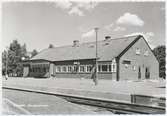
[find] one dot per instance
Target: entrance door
(139, 73)
(147, 73)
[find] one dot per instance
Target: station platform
(123, 91)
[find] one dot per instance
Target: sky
(38, 24)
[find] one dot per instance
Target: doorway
(139, 73)
(147, 73)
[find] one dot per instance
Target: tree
(33, 53)
(51, 46)
(161, 56)
(24, 52)
(4, 57)
(13, 57)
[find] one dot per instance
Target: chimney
(107, 38)
(75, 43)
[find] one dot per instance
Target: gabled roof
(107, 50)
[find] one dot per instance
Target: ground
(18, 102)
(106, 89)
(147, 87)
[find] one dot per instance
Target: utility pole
(96, 73)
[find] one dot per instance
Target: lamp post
(22, 58)
(96, 73)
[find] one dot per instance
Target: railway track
(113, 106)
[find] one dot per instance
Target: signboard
(76, 63)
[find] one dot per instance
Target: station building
(126, 58)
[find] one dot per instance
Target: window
(109, 68)
(64, 69)
(134, 68)
(30, 69)
(69, 69)
(39, 68)
(44, 69)
(137, 51)
(58, 69)
(126, 62)
(126, 65)
(47, 69)
(146, 53)
(104, 68)
(99, 68)
(82, 69)
(75, 68)
(88, 68)
(35, 69)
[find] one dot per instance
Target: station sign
(76, 63)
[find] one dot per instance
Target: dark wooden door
(147, 73)
(139, 73)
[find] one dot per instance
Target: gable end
(130, 45)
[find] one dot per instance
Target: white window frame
(57, 69)
(62, 69)
(87, 68)
(104, 65)
(138, 51)
(146, 53)
(70, 67)
(108, 65)
(126, 65)
(134, 68)
(99, 69)
(74, 67)
(83, 67)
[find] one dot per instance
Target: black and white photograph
(68, 57)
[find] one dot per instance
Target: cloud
(87, 5)
(126, 19)
(118, 28)
(130, 19)
(114, 27)
(90, 33)
(109, 27)
(147, 35)
(63, 4)
(76, 11)
(76, 8)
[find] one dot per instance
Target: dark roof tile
(107, 50)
